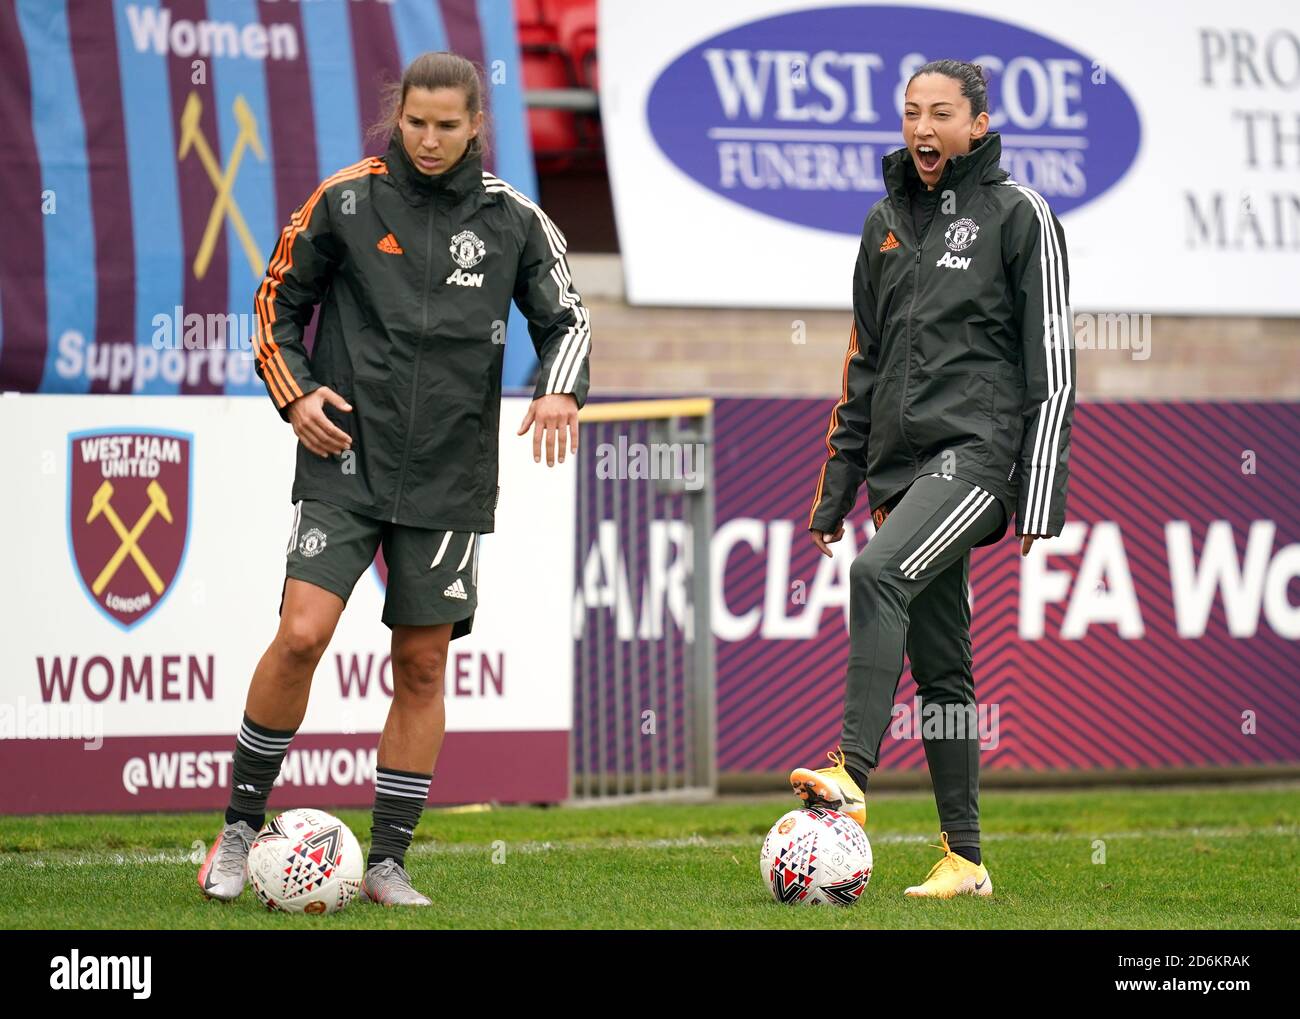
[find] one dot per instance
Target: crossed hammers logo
(223, 182)
(101, 503)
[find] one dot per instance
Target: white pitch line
(65, 858)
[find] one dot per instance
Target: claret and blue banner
(153, 151)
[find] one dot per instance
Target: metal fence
(644, 716)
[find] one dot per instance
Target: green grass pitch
(1215, 857)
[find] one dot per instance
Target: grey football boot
(390, 885)
(225, 871)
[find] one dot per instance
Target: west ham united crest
(128, 516)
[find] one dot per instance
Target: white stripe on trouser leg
(939, 531)
(970, 509)
(442, 550)
(293, 531)
(984, 503)
(474, 571)
(468, 549)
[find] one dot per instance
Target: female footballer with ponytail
(956, 412)
(414, 258)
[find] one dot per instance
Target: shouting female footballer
(956, 411)
(414, 258)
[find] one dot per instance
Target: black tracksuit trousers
(909, 591)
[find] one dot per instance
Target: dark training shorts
(432, 575)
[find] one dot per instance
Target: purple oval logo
(791, 115)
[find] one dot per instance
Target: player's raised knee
(867, 570)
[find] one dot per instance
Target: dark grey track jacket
(961, 353)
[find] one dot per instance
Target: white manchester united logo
(961, 234)
(313, 543)
(467, 249)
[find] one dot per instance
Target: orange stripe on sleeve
(295, 390)
(835, 418)
(821, 481)
(273, 380)
(268, 351)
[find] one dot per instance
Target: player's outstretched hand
(821, 539)
(314, 430)
(552, 417)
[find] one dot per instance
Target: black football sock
(857, 767)
(967, 844)
(399, 801)
(259, 752)
(254, 821)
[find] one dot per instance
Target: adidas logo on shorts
(456, 590)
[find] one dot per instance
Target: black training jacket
(414, 275)
(961, 355)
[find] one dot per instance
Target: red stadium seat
(554, 132)
(574, 22)
(576, 27)
(529, 12)
(558, 43)
(533, 29)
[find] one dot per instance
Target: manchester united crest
(313, 543)
(128, 516)
(467, 249)
(961, 234)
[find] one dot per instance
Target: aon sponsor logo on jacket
(465, 279)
